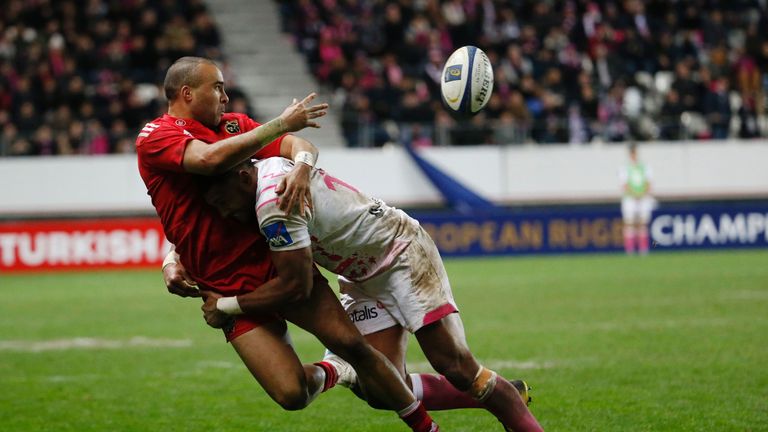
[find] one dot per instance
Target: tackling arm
(294, 188)
(293, 283)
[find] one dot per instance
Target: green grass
(670, 342)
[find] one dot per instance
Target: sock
(417, 418)
(330, 374)
(436, 393)
(514, 416)
(642, 240)
(629, 239)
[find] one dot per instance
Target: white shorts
(414, 292)
(637, 210)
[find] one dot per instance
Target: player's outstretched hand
(178, 281)
(214, 317)
(293, 190)
(300, 115)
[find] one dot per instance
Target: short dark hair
(207, 182)
(181, 73)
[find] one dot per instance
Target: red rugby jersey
(220, 254)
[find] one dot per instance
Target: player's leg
(422, 280)
(392, 343)
(386, 335)
(268, 355)
(445, 347)
(433, 390)
(645, 209)
(627, 215)
(322, 315)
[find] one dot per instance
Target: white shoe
(347, 375)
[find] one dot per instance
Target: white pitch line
(91, 343)
(217, 364)
(748, 295)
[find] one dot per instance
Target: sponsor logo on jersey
(232, 126)
(277, 235)
(363, 314)
(180, 122)
(453, 73)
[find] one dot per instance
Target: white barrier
(544, 174)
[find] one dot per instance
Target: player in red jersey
(197, 137)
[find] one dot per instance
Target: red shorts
(245, 323)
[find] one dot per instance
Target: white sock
(417, 387)
(409, 409)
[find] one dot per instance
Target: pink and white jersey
(350, 233)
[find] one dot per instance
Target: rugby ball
(467, 81)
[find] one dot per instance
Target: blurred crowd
(565, 70)
(82, 76)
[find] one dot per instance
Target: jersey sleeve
(163, 147)
(270, 150)
(283, 232)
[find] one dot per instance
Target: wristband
(169, 259)
(229, 305)
(305, 157)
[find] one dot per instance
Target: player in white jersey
(391, 276)
(637, 203)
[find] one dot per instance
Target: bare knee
(292, 399)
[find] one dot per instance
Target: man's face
(232, 199)
(209, 98)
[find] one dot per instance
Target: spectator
(543, 50)
(615, 126)
(717, 108)
(70, 70)
(669, 123)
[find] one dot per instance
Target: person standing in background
(636, 204)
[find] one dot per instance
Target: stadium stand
(566, 71)
(80, 77)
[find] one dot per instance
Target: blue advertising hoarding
(564, 230)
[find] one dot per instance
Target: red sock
(629, 240)
(418, 419)
(436, 393)
(642, 240)
(331, 376)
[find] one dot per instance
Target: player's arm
(176, 278)
(216, 158)
(293, 283)
(294, 188)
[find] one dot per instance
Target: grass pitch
(670, 342)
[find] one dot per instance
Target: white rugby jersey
(350, 233)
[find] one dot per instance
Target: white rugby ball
(467, 81)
